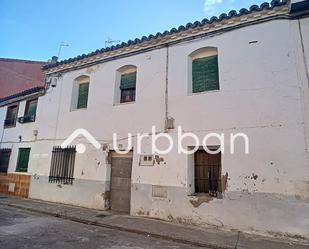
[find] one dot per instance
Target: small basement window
(207, 172)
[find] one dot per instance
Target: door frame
(114, 154)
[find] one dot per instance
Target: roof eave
(233, 20)
(19, 96)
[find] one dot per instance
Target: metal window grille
(62, 165)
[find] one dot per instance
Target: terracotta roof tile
(233, 13)
(19, 75)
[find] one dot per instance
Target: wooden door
(121, 170)
(207, 172)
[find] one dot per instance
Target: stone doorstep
(211, 238)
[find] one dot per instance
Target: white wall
(259, 95)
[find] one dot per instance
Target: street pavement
(27, 223)
(24, 229)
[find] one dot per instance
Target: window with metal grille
(207, 172)
(4, 160)
(62, 165)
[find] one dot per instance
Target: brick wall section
(22, 183)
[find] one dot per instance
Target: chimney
(54, 59)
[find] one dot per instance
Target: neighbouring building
(22, 82)
(243, 72)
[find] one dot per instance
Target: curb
(130, 230)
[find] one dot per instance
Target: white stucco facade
(263, 93)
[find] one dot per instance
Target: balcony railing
(9, 122)
(26, 119)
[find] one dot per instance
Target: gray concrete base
(260, 213)
(83, 193)
(189, 235)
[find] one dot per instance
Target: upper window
(83, 90)
(204, 70)
(80, 92)
(31, 107)
(126, 84)
(11, 116)
(30, 111)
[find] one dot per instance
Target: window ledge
(206, 195)
(9, 126)
(19, 173)
(205, 92)
(29, 122)
(78, 109)
(124, 103)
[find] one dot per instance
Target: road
(24, 229)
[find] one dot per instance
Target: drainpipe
(303, 50)
(169, 121)
(307, 77)
(166, 88)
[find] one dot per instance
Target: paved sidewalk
(204, 237)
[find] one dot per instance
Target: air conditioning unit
(26, 119)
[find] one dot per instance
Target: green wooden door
(23, 159)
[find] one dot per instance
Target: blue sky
(34, 29)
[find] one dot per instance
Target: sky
(34, 29)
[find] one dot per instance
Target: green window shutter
(205, 74)
(23, 159)
(128, 81)
(83, 95)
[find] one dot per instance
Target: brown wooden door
(121, 170)
(207, 172)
